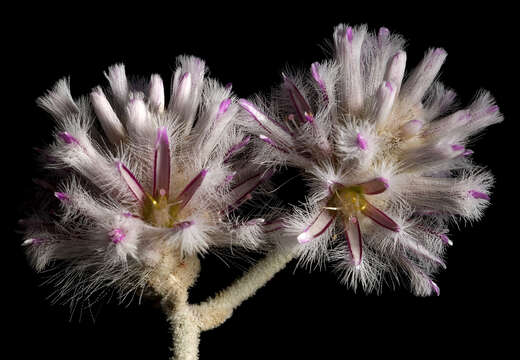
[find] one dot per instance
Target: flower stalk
(173, 277)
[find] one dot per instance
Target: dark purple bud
(479, 195)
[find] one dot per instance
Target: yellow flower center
(159, 212)
(350, 200)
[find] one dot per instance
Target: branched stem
(172, 280)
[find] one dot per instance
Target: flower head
(386, 157)
(134, 176)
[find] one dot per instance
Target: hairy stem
(186, 331)
(213, 312)
(174, 276)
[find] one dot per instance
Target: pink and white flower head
(131, 175)
(385, 154)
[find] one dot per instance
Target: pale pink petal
(318, 226)
(269, 141)
(273, 225)
(379, 217)
(131, 182)
(262, 119)
(354, 239)
(374, 186)
(421, 250)
(244, 188)
(298, 101)
(190, 189)
(235, 148)
(161, 170)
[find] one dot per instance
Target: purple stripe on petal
(374, 186)
(457, 147)
(190, 189)
(273, 225)
(379, 217)
(272, 143)
(492, 109)
(318, 226)
(478, 195)
(68, 138)
(236, 148)
(182, 225)
(133, 185)
(421, 250)
(361, 142)
(246, 187)
(318, 79)
(62, 196)
(298, 101)
(354, 239)
(260, 117)
(441, 236)
(237, 203)
(161, 170)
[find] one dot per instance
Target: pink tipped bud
(68, 138)
(137, 114)
(224, 105)
(156, 93)
(361, 142)
(316, 76)
(107, 117)
(349, 34)
(183, 91)
(62, 196)
(395, 69)
(384, 103)
(457, 147)
(117, 235)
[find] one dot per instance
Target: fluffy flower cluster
(146, 176)
(385, 155)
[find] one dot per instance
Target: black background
(297, 315)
